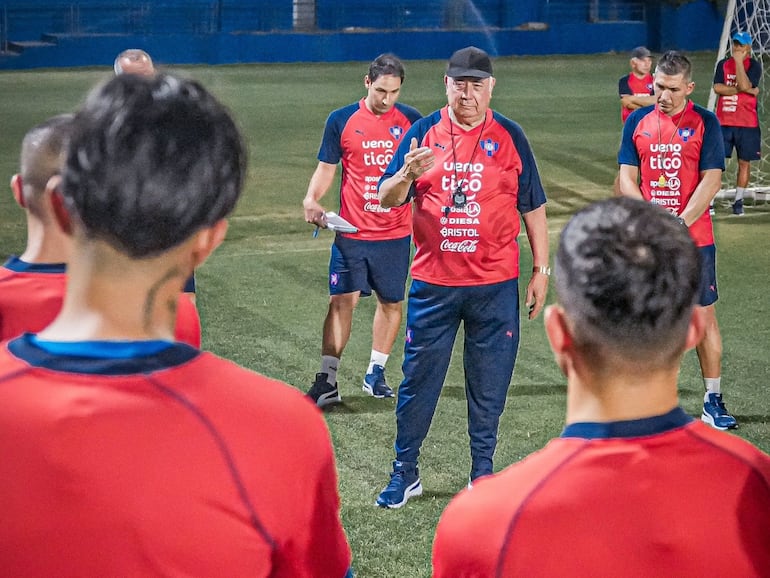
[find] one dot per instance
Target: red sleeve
(188, 323)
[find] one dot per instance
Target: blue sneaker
(738, 207)
(374, 383)
(404, 483)
(715, 413)
(322, 392)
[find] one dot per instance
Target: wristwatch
(544, 270)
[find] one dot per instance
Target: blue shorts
(746, 140)
(364, 266)
(708, 275)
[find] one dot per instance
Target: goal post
(752, 16)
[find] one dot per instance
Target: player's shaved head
(42, 155)
(627, 275)
(134, 61)
(151, 161)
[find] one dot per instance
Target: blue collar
(674, 419)
(17, 265)
(101, 357)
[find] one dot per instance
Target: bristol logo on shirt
(396, 132)
(686, 133)
(489, 146)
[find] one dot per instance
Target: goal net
(752, 16)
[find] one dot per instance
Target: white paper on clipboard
(336, 223)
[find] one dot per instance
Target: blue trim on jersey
(531, 194)
(15, 264)
(330, 150)
(754, 73)
(712, 150)
(101, 357)
(633, 428)
(529, 179)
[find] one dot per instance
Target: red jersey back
(671, 152)
(495, 169)
(737, 109)
(31, 295)
(364, 142)
(631, 84)
(626, 505)
(149, 458)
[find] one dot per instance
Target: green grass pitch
(263, 293)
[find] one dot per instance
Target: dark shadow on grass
(458, 392)
(355, 404)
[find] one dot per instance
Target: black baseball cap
(470, 61)
(641, 52)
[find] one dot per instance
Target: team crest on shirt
(396, 132)
(686, 133)
(489, 146)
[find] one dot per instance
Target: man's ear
(560, 338)
(60, 212)
(18, 190)
(557, 329)
(208, 239)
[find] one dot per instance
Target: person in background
(736, 81)
(471, 177)
(672, 154)
(635, 88)
(628, 489)
(362, 137)
(134, 61)
(32, 285)
(125, 453)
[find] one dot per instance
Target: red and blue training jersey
(671, 152)
(31, 296)
(738, 109)
(630, 84)
(151, 458)
(633, 498)
(494, 166)
(364, 142)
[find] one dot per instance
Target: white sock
(329, 366)
(713, 385)
(739, 192)
(377, 358)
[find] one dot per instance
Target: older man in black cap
(472, 176)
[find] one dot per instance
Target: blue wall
(48, 33)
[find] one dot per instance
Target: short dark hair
(673, 63)
(386, 64)
(627, 274)
(42, 155)
(151, 161)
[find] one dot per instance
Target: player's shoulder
(343, 113)
(735, 448)
(243, 385)
(409, 112)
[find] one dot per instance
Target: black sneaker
(322, 392)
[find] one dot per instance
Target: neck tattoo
(664, 153)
